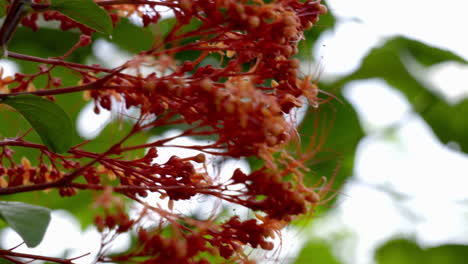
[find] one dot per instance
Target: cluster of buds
(241, 101)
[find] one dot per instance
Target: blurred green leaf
(399, 252)
(4, 261)
(46, 42)
(402, 251)
(425, 54)
(112, 133)
(334, 130)
(85, 12)
(29, 221)
(79, 205)
(47, 118)
(388, 62)
(447, 254)
(132, 37)
(164, 26)
(3, 6)
(316, 251)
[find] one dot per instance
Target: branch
(17, 10)
(20, 56)
(98, 84)
(67, 179)
(5, 253)
(138, 2)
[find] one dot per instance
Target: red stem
(138, 2)
(5, 253)
(20, 56)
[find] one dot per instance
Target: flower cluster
(237, 90)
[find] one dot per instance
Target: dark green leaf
(4, 261)
(402, 251)
(49, 120)
(85, 12)
(132, 37)
(388, 62)
(316, 251)
(29, 221)
(3, 6)
(447, 254)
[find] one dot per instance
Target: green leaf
(399, 251)
(4, 261)
(79, 205)
(402, 251)
(43, 43)
(3, 6)
(336, 129)
(316, 251)
(132, 37)
(85, 12)
(49, 120)
(425, 54)
(388, 62)
(29, 221)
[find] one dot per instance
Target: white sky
(409, 161)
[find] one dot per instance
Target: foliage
(406, 251)
(29, 221)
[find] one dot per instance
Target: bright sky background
(430, 180)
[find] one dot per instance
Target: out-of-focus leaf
(316, 251)
(334, 130)
(402, 251)
(447, 254)
(388, 62)
(427, 55)
(47, 118)
(29, 221)
(3, 6)
(47, 42)
(4, 261)
(327, 21)
(399, 252)
(164, 26)
(79, 205)
(112, 133)
(85, 12)
(132, 37)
